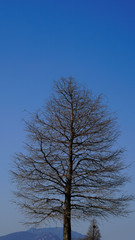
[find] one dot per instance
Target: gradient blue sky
(41, 41)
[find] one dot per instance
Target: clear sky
(43, 40)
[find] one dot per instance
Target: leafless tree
(93, 232)
(71, 164)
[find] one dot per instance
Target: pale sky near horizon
(43, 40)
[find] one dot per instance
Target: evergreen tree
(93, 232)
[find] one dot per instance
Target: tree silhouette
(93, 232)
(71, 165)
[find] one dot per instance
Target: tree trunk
(67, 219)
(67, 209)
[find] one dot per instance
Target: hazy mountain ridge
(41, 234)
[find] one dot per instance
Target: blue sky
(41, 41)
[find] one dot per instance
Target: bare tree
(93, 232)
(71, 165)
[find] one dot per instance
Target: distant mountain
(41, 234)
(19, 236)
